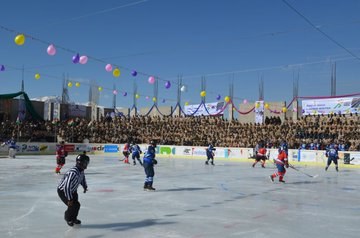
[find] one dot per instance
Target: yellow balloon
(100, 89)
(186, 103)
(137, 96)
(284, 109)
(227, 99)
(37, 76)
(77, 84)
(266, 106)
(69, 84)
(19, 39)
(154, 99)
(116, 72)
(202, 93)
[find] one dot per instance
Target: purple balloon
(167, 84)
(218, 97)
(133, 73)
(76, 58)
(125, 94)
(2, 68)
(163, 100)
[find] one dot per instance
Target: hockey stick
(309, 175)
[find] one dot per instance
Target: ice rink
(230, 199)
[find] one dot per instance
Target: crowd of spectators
(195, 131)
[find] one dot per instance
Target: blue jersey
(332, 152)
(135, 150)
(11, 143)
(149, 155)
(210, 149)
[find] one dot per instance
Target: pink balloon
(83, 59)
(151, 80)
(147, 97)
(51, 50)
(108, 67)
(115, 92)
(245, 101)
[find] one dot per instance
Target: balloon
(133, 73)
(245, 101)
(167, 84)
(284, 109)
(154, 99)
(147, 97)
(115, 92)
(77, 84)
(186, 103)
(257, 105)
(108, 67)
(202, 93)
(37, 76)
(218, 97)
(116, 72)
(125, 94)
(76, 58)
(151, 80)
(227, 99)
(137, 96)
(183, 88)
(100, 88)
(83, 59)
(295, 110)
(20, 39)
(163, 101)
(69, 84)
(266, 106)
(2, 68)
(51, 50)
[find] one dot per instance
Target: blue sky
(219, 40)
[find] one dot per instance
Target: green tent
(28, 104)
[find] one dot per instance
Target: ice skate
(77, 222)
(212, 163)
(282, 181)
(70, 223)
(206, 162)
(271, 178)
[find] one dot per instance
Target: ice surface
(231, 199)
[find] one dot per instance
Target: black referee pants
(72, 211)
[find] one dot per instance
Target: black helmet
(153, 142)
(82, 161)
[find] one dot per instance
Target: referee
(67, 188)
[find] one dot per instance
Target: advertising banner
(209, 109)
(259, 112)
(331, 105)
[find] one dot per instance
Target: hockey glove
(154, 161)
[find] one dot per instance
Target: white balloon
(183, 88)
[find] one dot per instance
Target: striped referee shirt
(71, 181)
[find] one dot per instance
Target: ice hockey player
(281, 162)
(135, 152)
(67, 188)
(332, 155)
(12, 147)
(148, 162)
(126, 153)
(210, 154)
(260, 156)
(60, 156)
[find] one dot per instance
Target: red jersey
(262, 152)
(126, 147)
(282, 158)
(60, 152)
